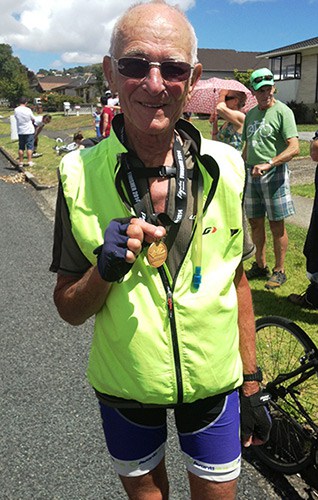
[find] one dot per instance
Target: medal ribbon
(181, 185)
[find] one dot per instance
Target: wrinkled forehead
(149, 26)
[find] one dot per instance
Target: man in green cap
(271, 140)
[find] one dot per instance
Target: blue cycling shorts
(208, 430)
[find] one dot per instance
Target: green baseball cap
(261, 77)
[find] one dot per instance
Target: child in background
(96, 117)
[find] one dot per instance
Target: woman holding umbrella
(229, 106)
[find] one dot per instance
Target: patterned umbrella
(205, 95)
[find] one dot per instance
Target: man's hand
(255, 418)
(123, 241)
(260, 170)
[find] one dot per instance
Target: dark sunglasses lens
(175, 71)
(260, 79)
(133, 67)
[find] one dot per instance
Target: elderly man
(271, 139)
(149, 240)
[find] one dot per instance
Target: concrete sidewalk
(303, 207)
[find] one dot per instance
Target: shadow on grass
(267, 303)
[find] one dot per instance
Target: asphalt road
(51, 442)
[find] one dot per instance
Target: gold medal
(157, 253)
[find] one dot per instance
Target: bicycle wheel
(282, 346)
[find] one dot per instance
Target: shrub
(54, 102)
(302, 112)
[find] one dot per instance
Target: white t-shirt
(38, 121)
(24, 117)
(113, 101)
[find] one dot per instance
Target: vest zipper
(174, 334)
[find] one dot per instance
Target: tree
(13, 76)
(243, 77)
(101, 84)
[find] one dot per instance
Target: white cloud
(79, 30)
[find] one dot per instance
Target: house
(79, 86)
(221, 63)
(295, 69)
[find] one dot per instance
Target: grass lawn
(268, 303)
(305, 190)
(265, 302)
(205, 128)
(45, 166)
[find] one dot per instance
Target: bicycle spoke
(282, 348)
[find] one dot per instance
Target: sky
(57, 34)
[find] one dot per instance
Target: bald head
(158, 11)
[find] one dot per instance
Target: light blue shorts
(208, 430)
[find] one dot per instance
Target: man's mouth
(150, 105)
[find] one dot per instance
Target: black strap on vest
(128, 160)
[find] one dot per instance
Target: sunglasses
(260, 79)
(138, 68)
(230, 97)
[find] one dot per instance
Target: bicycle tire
(281, 345)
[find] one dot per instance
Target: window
(286, 67)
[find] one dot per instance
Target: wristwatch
(270, 162)
(251, 377)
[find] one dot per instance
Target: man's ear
(109, 73)
(196, 75)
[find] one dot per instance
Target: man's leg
(259, 239)
(29, 155)
(280, 241)
(209, 434)
(136, 441)
(21, 149)
(21, 153)
(259, 268)
(208, 490)
(151, 486)
(30, 147)
(36, 142)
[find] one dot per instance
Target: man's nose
(154, 80)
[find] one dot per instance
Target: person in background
(148, 238)
(113, 100)
(39, 124)
(96, 118)
(271, 140)
(106, 117)
(229, 108)
(78, 140)
(309, 298)
(25, 119)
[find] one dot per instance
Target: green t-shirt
(266, 131)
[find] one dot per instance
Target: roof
(61, 80)
(46, 86)
(228, 60)
(305, 44)
(52, 82)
